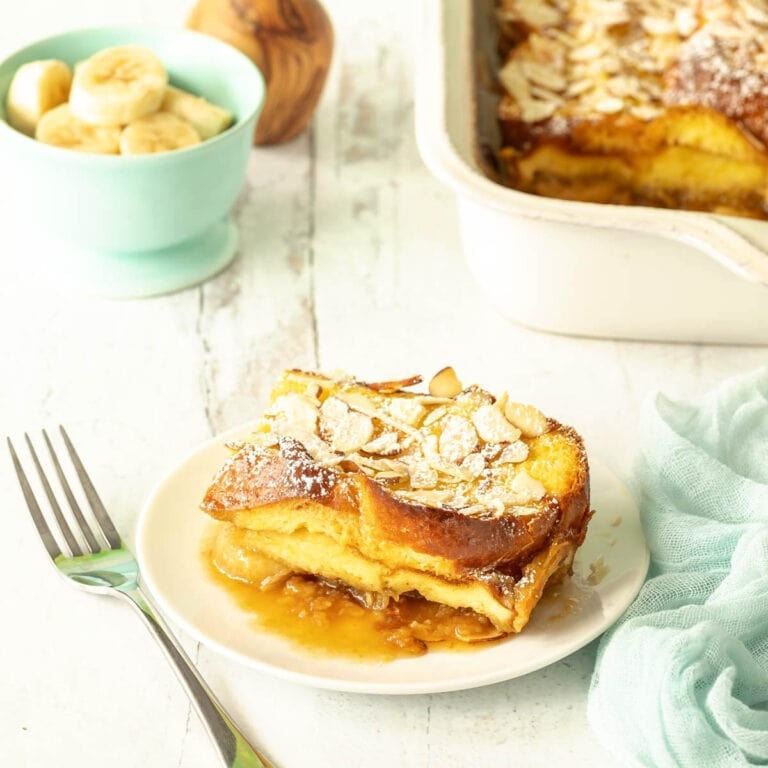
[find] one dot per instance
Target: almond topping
(609, 105)
(544, 75)
(386, 444)
(537, 13)
(473, 465)
(513, 453)
(526, 488)
(536, 111)
(293, 411)
(445, 383)
(423, 476)
(492, 425)
(352, 432)
(458, 438)
(406, 410)
(429, 498)
(529, 420)
(657, 27)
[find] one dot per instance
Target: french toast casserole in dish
(651, 102)
(608, 159)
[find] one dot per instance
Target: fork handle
(231, 744)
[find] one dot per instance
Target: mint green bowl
(136, 226)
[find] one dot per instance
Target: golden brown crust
(473, 543)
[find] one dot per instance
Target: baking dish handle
(731, 248)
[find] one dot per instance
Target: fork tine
(66, 532)
(100, 512)
(50, 543)
(93, 543)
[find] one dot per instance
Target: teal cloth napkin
(682, 679)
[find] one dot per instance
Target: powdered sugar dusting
(717, 68)
(303, 474)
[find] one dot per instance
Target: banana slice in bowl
(158, 132)
(60, 128)
(37, 87)
(118, 85)
(207, 119)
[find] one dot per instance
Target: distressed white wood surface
(349, 258)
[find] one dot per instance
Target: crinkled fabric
(681, 681)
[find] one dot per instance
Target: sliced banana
(61, 128)
(159, 132)
(118, 85)
(206, 118)
(37, 87)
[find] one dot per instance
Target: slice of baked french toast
(471, 500)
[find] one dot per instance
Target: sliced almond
(457, 439)
(313, 390)
(547, 50)
(333, 409)
(435, 415)
(381, 465)
(262, 439)
(426, 497)
(405, 411)
(756, 14)
(657, 26)
(352, 432)
(588, 52)
(526, 488)
(645, 111)
(390, 387)
(611, 13)
(445, 383)
(473, 465)
(534, 111)
(423, 476)
(358, 402)
(544, 94)
(388, 477)
(317, 448)
(513, 78)
(294, 411)
(513, 453)
(476, 396)
(544, 75)
(686, 21)
(609, 105)
(472, 509)
(386, 444)
(622, 86)
(529, 420)
(537, 13)
(577, 87)
(491, 451)
(493, 426)
(332, 412)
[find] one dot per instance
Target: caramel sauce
(328, 620)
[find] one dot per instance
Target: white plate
(169, 538)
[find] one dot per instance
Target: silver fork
(108, 568)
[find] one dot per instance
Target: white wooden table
(350, 258)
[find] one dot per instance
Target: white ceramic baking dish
(570, 267)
